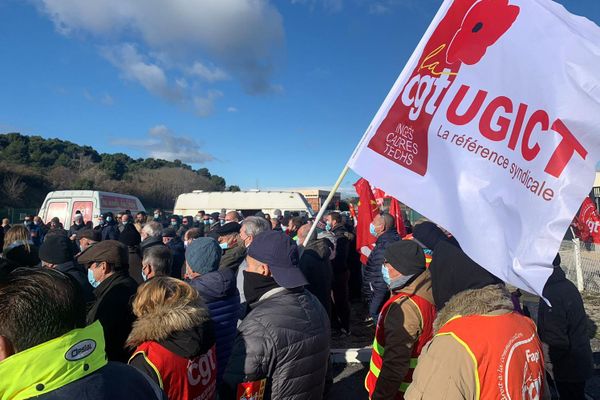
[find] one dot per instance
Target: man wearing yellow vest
(47, 352)
(405, 323)
(482, 348)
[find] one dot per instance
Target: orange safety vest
(427, 311)
(506, 351)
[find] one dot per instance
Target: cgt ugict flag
(492, 130)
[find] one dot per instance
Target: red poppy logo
(483, 25)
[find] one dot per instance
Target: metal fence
(581, 263)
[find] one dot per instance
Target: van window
(85, 207)
(117, 203)
(57, 209)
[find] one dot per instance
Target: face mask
(372, 229)
(108, 219)
(400, 282)
(224, 246)
(206, 222)
(185, 244)
(156, 216)
(256, 285)
(211, 221)
(91, 279)
(328, 227)
(38, 223)
(173, 223)
(125, 222)
(197, 219)
(144, 277)
(386, 275)
(222, 222)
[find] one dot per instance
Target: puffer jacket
(316, 267)
(219, 292)
(376, 258)
(284, 340)
(563, 327)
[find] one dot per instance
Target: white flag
(492, 130)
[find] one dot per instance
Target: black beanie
(56, 249)
(452, 272)
(406, 256)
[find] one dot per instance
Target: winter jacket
(232, 258)
(342, 246)
(219, 292)
(110, 231)
(73, 366)
(79, 273)
(75, 228)
(135, 264)
(563, 327)
(175, 347)
(316, 267)
(446, 370)
(113, 309)
(150, 242)
(36, 233)
(372, 270)
(284, 340)
(178, 252)
(403, 326)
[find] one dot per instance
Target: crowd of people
(221, 306)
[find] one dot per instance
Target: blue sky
(269, 93)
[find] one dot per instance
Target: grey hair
(388, 221)
(159, 258)
(152, 229)
(255, 225)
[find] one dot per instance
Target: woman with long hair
(18, 248)
(173, 339)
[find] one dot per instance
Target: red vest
(427, 311)
(506, 352)
(179, 377)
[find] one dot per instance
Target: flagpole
(326, 203)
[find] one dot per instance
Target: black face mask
(256, 285)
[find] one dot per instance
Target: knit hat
(281, 256)
(406, 256)
(452, 272)
(203, 255)
(56, 249)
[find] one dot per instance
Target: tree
(218, 182)
(13, 188)
(233, 188)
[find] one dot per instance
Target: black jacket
(178, 252)
(340, 262)
(149, 242)
(376, 258)
(563, 327)
(75, 228)
(110, 231)
(285, 340)
(316, 267)
(114, 381)
(79, 273)
(113, 308)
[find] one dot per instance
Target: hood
(558, 275)
(166, 321)
(216, 285)
(489, 299)
(19, 256)
(318, 248)
(429, 234)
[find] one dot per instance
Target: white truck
(91, 203)
(246, 202)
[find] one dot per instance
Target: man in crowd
(57, 253)
(283, 343)
(151, 236)
(5, 224)
(477, 334)
(37, 221)
(376, 291)
(232, 216)
(157, 261)
(87, 238)
(35, 232)
(107, 264)
(315, 265)
(293, 225)
(174, 222)
(405, 324)
(108, 227)
(186, 223)
(77, 225)
(233, 251)
(175, 245)
(159, 216)
(341, 273)
(563, 327)
(251, 227)
(52, 354)
(140, 220)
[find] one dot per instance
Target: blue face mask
(91, 279)
(372, 229)
(224, 246)
(108, 219)
(173, 223)
(328, 227)
(144, 277)
(206, 222)
(386, 275)
(222, 222)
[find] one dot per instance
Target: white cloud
(232, 109)
(242, 36)
(167, 145)
(208, 74)
(205, 105)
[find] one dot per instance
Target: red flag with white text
(589, 222)
(367, 209)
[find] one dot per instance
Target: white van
(91, 203)
(246, 202)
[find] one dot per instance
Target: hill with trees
(31, 166)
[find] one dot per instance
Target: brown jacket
(445, 369)
(403, 325)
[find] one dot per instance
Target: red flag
(379, 196)
(589, 222)
(367, 210)
(396, 212)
